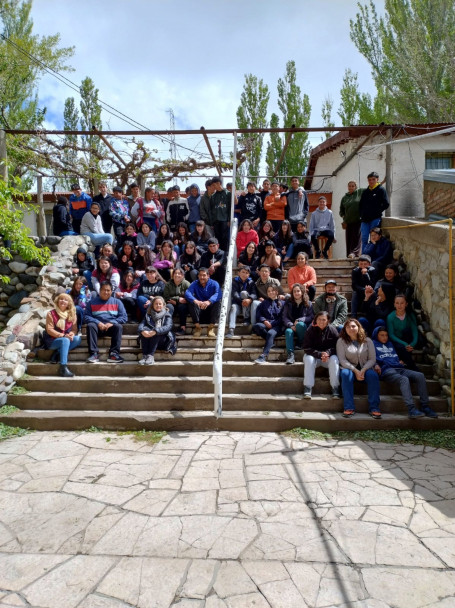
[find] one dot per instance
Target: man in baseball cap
(333, 303)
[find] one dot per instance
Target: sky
(146, 56)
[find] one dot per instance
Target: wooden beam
(111, 148)
(283, 151)
(206, 139)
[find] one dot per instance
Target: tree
(274, 146)
(23, 57)
(12, 208)
(91, 117)
(411, 51)
(326, 114)
(358, 108)
(70, 123)
(252, 113)
(296, 110)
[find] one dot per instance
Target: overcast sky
(146, 56)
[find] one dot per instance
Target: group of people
(159, 258)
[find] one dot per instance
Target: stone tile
(307, 578)
(282, 490)
(199, 533)
(18, 571)
(53, 590)
(110, 495)
(265, 572)
(443, 547)
(249, 600)
(236, 536)
(193, 503)
(56, 450)
(196, 484)
(56, 466)
(232, 478)
(151, 502)
(232, 580)
(98, 601)
(48, 484)
(121, 538)
(200, 578)
(283, 594)
(397, 516)
(144, 582)
(340, 585)
(188, 603)
(159, 537)
(410, 587)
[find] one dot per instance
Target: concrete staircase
(177, 392)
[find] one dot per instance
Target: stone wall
(25, 324)
(425, 250)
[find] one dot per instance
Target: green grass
(438, 439)
(18, 390)
(6, 432)
(147, 436)
(8, 409)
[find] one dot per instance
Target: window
(439, 160)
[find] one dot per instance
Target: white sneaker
(143, 361)
(150, 360)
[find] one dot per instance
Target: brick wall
(439, 198)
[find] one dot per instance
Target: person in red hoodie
(245, 235)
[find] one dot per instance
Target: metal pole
(234, 176)
(207, 143)
(388, 172)
(41, 218)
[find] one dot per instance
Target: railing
(218, 357)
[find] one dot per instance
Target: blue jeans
(402, 377)
(79, 316)
(347, 386)
(300, 330)
(67, 233)
(366, 228)
(269, 334)
(141, 300)
(64, 345)
(99, 239)
(88, 276)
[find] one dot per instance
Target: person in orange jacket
(274, 205)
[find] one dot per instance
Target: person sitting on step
(262, 284)
(390, 368)
(403, 331)
(204, 302)
(304, 274)
(334, 303)
(273, 260)
(105, 316)
(362, 276)
(174, 296)
(269, 321)
(243, 295)
(319, 345)
(322, 224)
(297, 317)
(60, 334)
(151, 285)
(155, 331)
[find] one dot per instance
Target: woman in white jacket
(91, 226)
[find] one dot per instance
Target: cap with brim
(75, 187)
(117, 189)
(330, 282)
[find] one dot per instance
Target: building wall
(408, 165)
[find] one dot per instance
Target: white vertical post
(234, 176)
(41, 219)
(3, 157)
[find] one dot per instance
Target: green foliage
(438, 439)
(296, 110)
(326, 114)
(91, 117)
(6, 432)
(18, 390)
(22, 56)
(70, 123)
(274, 146)
(8, 409)
(147, 436)
(358, 108)
(411, 51)
(12, 208)
(252, 113)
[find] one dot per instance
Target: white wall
(408, 165)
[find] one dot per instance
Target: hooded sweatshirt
(298, 207)
(386, 355)
(62, 219)
(194, 203)
(321, 221)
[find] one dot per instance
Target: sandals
(375, 414)
(348, 413)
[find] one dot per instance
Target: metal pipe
(353, 129)
(448, 221)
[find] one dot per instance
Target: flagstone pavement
(224, 520)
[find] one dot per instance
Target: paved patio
(224, 520)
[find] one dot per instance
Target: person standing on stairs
(60, 334)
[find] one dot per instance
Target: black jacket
(317, 341)
(238, 286)
(293, 313)
(360, 281)
(373, 203)
(250, 206)
(62, 219)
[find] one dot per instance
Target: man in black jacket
(373, 202)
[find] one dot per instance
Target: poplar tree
(252, 113)
(326, 115)
(274, 146)
(70, 123)
(91, 117)
(411, 51)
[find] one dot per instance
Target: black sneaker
(115, 358)
(306, 392)
(336, 393)
(325, 255)
(93, 358)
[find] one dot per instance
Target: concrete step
(113, 401)
(49, 420)
(276, 385)
(185, 368)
